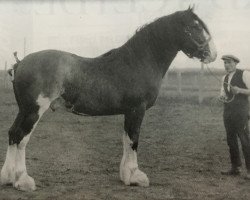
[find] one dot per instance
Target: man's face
(230, 65)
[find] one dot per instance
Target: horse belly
(92, 102)
(96, 108)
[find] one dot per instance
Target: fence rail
(5, 80)
(196, 82)
(199, 82)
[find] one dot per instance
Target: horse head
(194, 37)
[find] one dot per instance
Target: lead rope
(225, 100)
(216, 103)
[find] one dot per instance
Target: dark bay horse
(125, 80)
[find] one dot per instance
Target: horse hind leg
(8, 169)
(14, 166)
(14, 169)
(129, 170)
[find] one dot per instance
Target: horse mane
(108, 53)
(150, 36)
(157, 36)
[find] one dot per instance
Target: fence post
(5, 75)
(179, 82)
(24, 47)
(166, 80)
(201, 84)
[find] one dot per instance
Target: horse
(124, 81)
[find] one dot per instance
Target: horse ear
(191, 8)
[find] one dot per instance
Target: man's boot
(234, 171)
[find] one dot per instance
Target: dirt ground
(182, 149)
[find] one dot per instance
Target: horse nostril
(205, 54)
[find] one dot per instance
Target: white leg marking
(8, 170)
(23, 180)
(44, 103)
(129, 171)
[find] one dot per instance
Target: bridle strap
(200, 46)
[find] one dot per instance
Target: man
(236, 89)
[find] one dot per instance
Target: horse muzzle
(210, 53)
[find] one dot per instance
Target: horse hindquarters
(129, 171)
(14, 169)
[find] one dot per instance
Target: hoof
(139, 178)
(247, 177)
(7, 176)
(25, 183)
(135, 178)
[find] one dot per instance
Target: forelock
(197, 19)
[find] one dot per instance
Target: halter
(200, 46)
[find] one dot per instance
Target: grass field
(182, 149)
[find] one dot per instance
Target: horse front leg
(129, 171)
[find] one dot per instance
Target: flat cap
(230, 57)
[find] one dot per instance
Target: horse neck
(154, 48)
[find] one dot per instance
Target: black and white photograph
(124, 99)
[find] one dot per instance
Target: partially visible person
(236, 90)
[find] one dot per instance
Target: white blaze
(213, 53)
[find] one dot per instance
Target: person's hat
(230, 57)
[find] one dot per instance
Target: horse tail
(16, 58)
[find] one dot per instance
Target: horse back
(96, 86)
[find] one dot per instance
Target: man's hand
(222, 98)
(235, 89)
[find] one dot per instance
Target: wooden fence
(183, 82)
(5, 80)
(196, 82)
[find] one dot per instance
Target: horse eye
(196, 22)
(197, 27)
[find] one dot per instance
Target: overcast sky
(89, 28)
